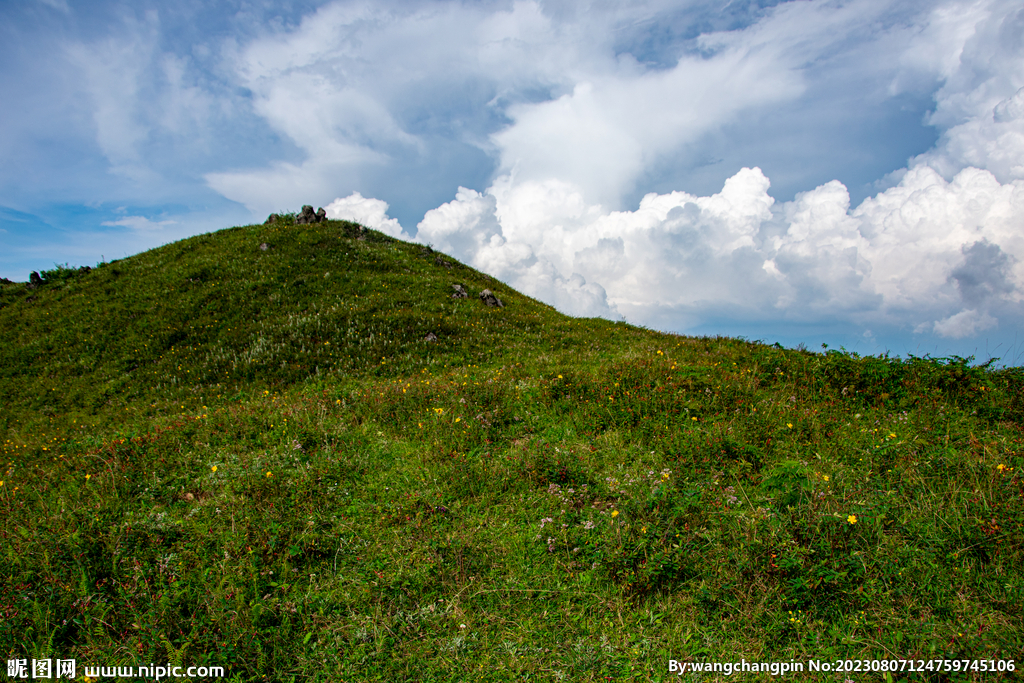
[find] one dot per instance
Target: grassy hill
(244, 450)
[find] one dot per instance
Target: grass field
(217, 454)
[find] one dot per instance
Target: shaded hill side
(213, 313)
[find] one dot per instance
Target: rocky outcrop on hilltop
(306, 216)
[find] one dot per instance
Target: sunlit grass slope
(227, 455)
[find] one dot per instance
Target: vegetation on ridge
(223, 455)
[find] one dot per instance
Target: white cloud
(373, 213)
(461, 227)
(140, 223)
(352, 85)
(606, 132)
(980, 107)
(966, 323)
(149, 108)
(1010, 110)
(918, 229)
(621, 118)
(285, 184)
(325, 87)
(114, 76)
(469, 229)
(909, 258)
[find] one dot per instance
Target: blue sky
(849, 173)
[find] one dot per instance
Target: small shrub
(788, 484)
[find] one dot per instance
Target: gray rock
(460, 292)
(272, 218)
(431, 337)
(487, 296)
(34, 280)
(307, 215)
(443, 262)
(264, 246)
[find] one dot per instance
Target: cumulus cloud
(373, 213)
(980, 106)
(926, 255)
(608, 130)
(546, 240)
(966, 323)
(469, 228)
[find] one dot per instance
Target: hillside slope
(212, 313)
(310, 462)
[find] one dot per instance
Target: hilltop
(290, 451)
(265, 305)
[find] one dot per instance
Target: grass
(224, 455)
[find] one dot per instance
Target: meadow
(241, 450)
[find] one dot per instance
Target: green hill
(288, 451)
